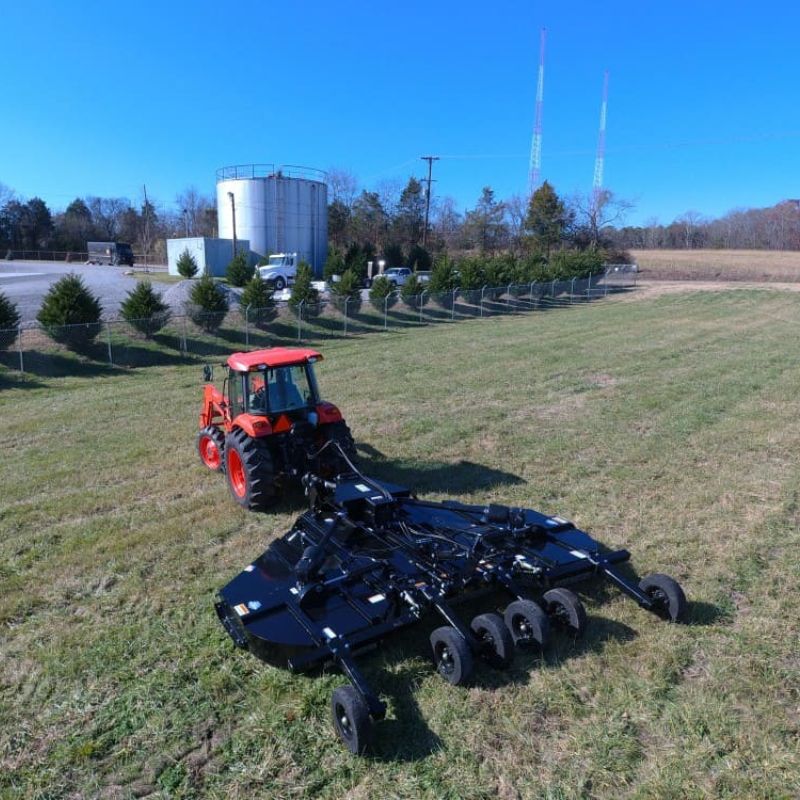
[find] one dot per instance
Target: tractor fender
(327, 413)
(255, 426)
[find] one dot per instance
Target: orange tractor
(268, 425)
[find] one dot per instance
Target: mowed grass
(731, 265)
(668, 426)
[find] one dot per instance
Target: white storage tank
(278, 210)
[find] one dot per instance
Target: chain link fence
(198, 336)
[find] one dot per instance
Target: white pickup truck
(281, 270)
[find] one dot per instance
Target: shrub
(419, 258)
(334, 265)
(207, 305)
(346, 293)
(393, 256)
(9, 319)
(187, 266)
(257, 295)
(567, 264)
(144, 310)
(444, 277)
(239, 271)
(411, 292)
(302, 290)
(70, 313)
(381, 289)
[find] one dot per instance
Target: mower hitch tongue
(368, 557)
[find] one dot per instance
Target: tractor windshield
(276, 389)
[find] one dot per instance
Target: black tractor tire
(498, 645)
(250, 470)
(211, 447)
(565, 610)
(451, 655)
(351, 719)
(339, 432)
(670, 601)
(527, 623)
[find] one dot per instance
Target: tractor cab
(270, 391)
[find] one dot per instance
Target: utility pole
(146, 226)
(430, 160)
(233, 217)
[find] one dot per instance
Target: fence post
(108, 341)
(605, 283)
(386, 311)
(483, 289)
(19, 346)
(530, 296)
(300, 320)
(346, 301)
(421, 300)
(453, 305)
(553, 290)
(247, 325)
(185, 341)
(589, 288)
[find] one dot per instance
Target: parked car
(397, 276)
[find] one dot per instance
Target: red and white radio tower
(599, 162)
(536, 144)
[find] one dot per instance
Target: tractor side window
(236, 392)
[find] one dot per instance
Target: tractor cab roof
(272, 357)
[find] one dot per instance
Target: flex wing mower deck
(368, 558)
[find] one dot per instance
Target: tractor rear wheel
(250, 470)
(339, 433)
(210, 446)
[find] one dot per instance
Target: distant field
(670, 426)
(731, 265)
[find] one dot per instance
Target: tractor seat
(284, 397)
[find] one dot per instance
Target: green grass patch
(668, 426)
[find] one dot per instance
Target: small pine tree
(70, 313)
(419, 258)
(302, 290)
(257, 300)
(187, 266)
(144, 309)
(411, 292)
(381, 289)
(208, 304)
(334, 265)
(239, 271)
(346, 293)
(9, 319)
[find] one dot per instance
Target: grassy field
(730, 265)
(669, 426)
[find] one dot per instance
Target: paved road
(26, 283)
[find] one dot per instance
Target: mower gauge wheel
(565, 610)
(498, 645)
(452, 655)
(351, 719)
(667, 595)
(527, 623)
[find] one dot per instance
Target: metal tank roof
(251, 171)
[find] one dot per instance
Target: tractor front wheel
(210, 446)
(250, 471)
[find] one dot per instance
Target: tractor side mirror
(208, 373)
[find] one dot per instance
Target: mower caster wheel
(498, 646)
(667, 595)
(527, 623)
(351, 719)
(565, 610)
(452, 655)
(210, 446)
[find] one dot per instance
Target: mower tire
(497, 644)
(351, 719)
(565, 610)
(527, 623)
(452, 655)
(211, 446)
(667, 595)
(250, 470)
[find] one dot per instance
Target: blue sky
(100, 98)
